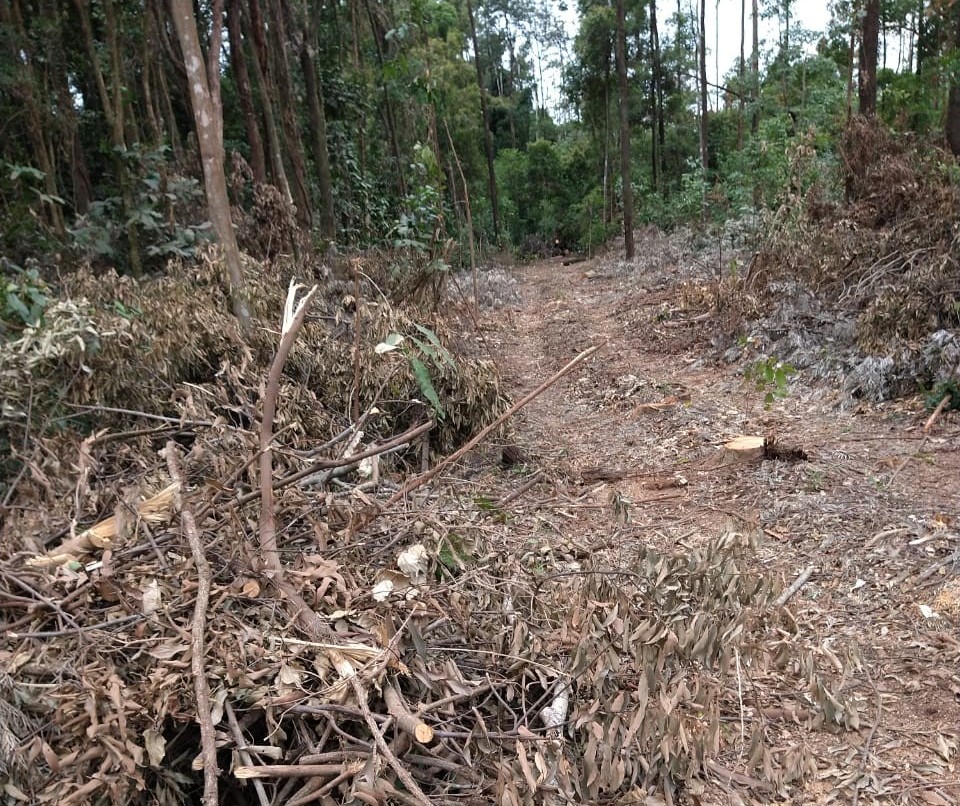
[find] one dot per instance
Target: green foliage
(162, 204)
(425, 353)
(772, 377)
(948, 387)
(24, 232)
(23, 296)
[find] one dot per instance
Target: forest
(479, 401)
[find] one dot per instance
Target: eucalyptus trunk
(953, 101)
(869, 48)
(487, 134)
(204, 84)
(290, 129)
(317, 121)
(624, 92)
(238, 61)
(254, 29)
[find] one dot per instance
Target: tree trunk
(387, 105)
(704, 108)
(741, 72)
(288, 113)
(755, 68)
(204, 86)
(318, 121)
(624, 91)
(112, 107)
(36, 120)
(869, 47)
(487, 134)
(656, 101)
(254, 30)
(953, 101)
(238, 61)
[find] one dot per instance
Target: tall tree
(704, 103)
(113, 108)
(204, 82)
(953, 101)
(238, 62)
(487, 134)
(624, 92)
(656, 101)
(869, 47)
(317, 118)
(290, 128)
(755, 67)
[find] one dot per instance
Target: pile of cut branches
(234, 631)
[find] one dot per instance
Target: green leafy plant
(772, 377)
(23, 296)
(162, 204)
(949, 387)
(421, 354)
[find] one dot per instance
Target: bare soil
(632, 441)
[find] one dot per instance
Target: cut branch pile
(346, 644)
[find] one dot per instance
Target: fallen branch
(201, 686)
(798, 583)
(410, 724)
(423, 478)
(944, 402)
(244, 754)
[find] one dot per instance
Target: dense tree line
(129, 126)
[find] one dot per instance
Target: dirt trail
(633, 441)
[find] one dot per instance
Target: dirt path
(633, 441)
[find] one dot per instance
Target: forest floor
(632, 441)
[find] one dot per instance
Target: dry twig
(201, 685)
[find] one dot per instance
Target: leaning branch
(423, 478)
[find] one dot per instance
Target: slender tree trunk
(387, 105)
(741, 72)
(624, 91)
(204, 83)
(35, 118)
(656, 107)
(112, 106)
(953, 101)
(755, 68)
(869, 46)
(318, 121)
(487, 134)
(704, 102)
(259, 63)
(288, 113)
(238, 61)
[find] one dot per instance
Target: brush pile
(239, 587)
